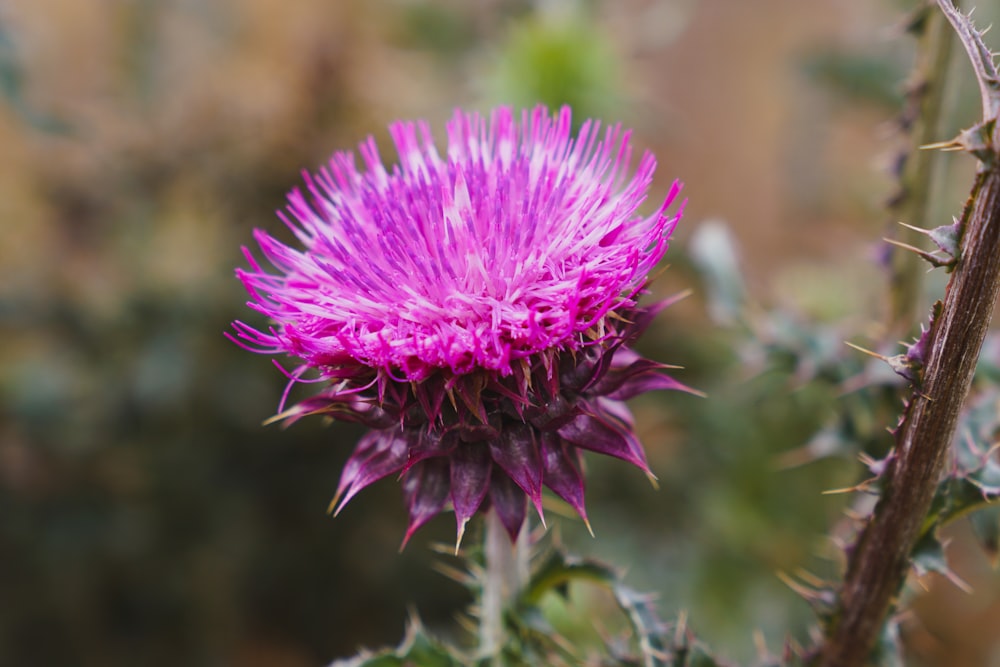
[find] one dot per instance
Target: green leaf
(889, 648)
(928, 556)
(558, 61)
(559, 569)
(646, 624)
(417, 650)
(658, 644)
(986, 526)
(974, 481)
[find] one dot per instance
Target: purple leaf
(615, 411)
(516, 451)
(470, 475)
(378, 454)
(430, 395)
(600, 368)
(616, 377)
(562, 472)
(425, 490)
(429, 444)
(576, 373)
(555, 413)
(648, 382)
(509, 502)
(601, 434)
(367, 447)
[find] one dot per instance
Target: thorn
(467, 623)
(958, 582)
(868, 460)
(681, 630)
(285, 414)
(810, 578)
(803, 591)
(461, 532)
(453, 573)
(656, 275)
(760, 644)
(440, 548)
(653, 481)
(683, 294)
(339, 502)
(866, 351)
(900, 364)
(919, 230)
(948, 146)
(853, 515)
(936, 262)
(586, 522)
(863, 486)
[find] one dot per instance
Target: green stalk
(506, 572)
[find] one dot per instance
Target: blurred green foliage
(559, 60)
(859, 77)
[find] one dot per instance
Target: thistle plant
(475, 311)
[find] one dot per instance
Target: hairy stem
(879, 561)
(505, 575)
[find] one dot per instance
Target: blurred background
(147, 515)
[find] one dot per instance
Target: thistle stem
(879, 561)
(506, 571)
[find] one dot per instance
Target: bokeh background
(147, 515)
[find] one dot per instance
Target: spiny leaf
(417, 650)
(986, 526)
(646, 624)
(976, 140)
(889, 649)
(980, 55)
(559, 569)
(956, 496)
(974, 479)
(928, 556)
(658, 644)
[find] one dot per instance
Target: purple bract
(474, 311)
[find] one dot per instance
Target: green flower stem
(506, 572)
(879, 561)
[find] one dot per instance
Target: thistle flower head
(473, 309)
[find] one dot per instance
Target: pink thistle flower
(474, 310)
